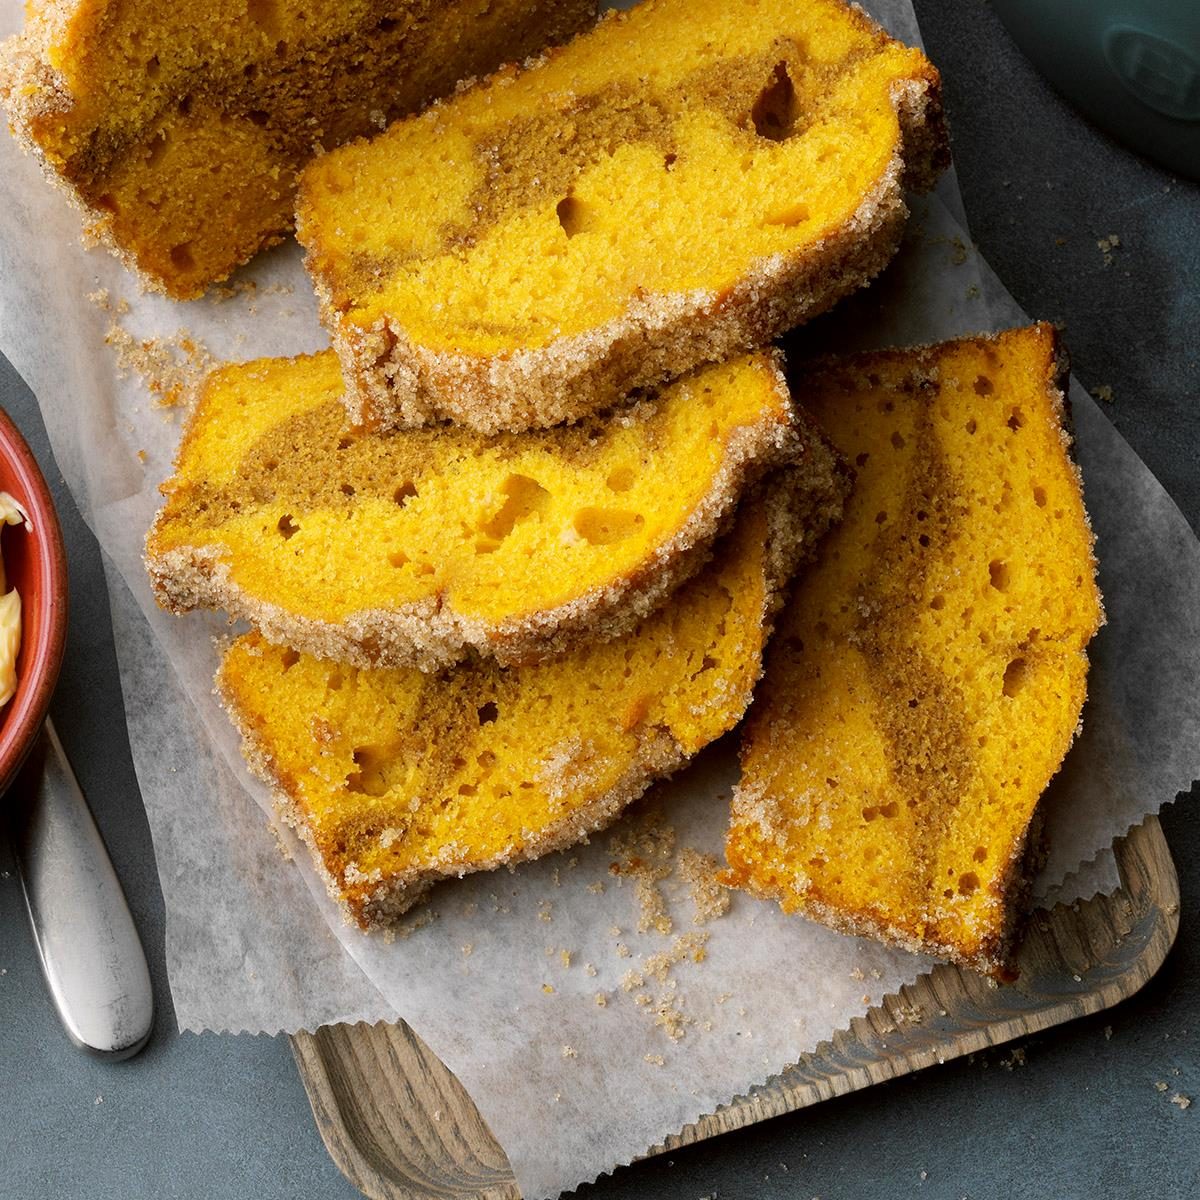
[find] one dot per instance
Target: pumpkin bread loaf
(180, 129)
(397, 779)
(408, 548)
(684, 182)
(929, 673)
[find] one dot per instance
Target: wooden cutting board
(401, 1127)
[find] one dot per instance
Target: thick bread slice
(412, 548)
(179, 129)
(397, 779)
(684, 182)
(930, 671)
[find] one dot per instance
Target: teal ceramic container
(1131, 66)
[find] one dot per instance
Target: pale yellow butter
(11, 513)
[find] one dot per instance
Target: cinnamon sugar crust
(504, 370)
(777, 531)
(193, 565)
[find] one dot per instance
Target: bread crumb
(655, 1060)
(569, 1052)
(601, 1000)
(547, 989)
(710, 898)
(564, 956)
(644, 854)
(1160, 1086)
(589, 970)
(597, 888)
(171, 368)
(1108, 1033)
(1181, 1101)
(1106, 246)
(1103, 392)
(467, 948)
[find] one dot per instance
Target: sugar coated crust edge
(995, 956)
(394, 383)
(798, 516)
(430, 635)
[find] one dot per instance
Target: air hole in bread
(572, 215)
(980, 854)
(983, 386)
(1039, 496)
(290, 658)
(998, 573)
(604, 526)
(1016, 418)
(621, 480)
(523, 497)
(488, 712)
(774, 112)
(287, 526)
(968, 883)
(153, 66)
(369, 779)
(1015, 676)
(156, 147)
(398, 558)
(405, 492)
(264, 14)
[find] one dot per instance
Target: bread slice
(179, 129)
(411, 548)
(929, 674)
(685, 182)
(396, 779)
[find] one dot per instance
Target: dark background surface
(226, 1117)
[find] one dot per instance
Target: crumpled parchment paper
(582, 1039)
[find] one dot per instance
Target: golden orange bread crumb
(411, 547)
(682, 183)
(180, 129)
(930, 671)
(397, 779)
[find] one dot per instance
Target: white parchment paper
(503, 981)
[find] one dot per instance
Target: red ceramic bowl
(36, 565)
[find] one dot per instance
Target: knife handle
(88, 945)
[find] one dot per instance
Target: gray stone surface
(224, 1118)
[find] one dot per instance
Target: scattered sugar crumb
(1160, 1086)
(1015, 1059)
(172, 368)
(589, 970)
(597, 888)
(623, 950)
(100, 1100)
(545, 911)
(857, 975)
(645, 855)
(1106, 246)
(467, 949)
(1181, 1101)
(710, 898)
